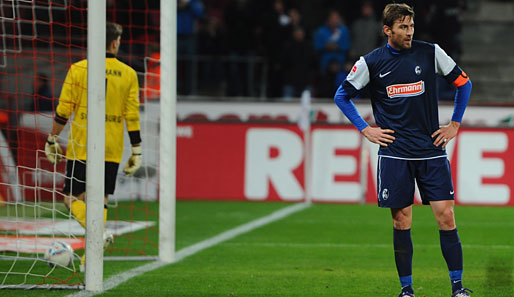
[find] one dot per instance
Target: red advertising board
(211, 159)
(265, 162)
(240, 161)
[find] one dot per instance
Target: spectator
(366, 32)
(332, 41)
(332, 78)
(446, 26)
(188, 11)
(240, 32)
(296, 22)
(43, 99)
(341, 76)
(210, 37)
(275, 31)
(299, 59)
(210, 44)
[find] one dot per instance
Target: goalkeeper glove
(134, 162)
(53, 150)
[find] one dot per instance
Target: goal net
(39, 40)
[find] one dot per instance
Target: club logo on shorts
(417, 70)
(406, 90)
(385, 194)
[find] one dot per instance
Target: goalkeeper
(121, 105)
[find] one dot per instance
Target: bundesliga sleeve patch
(406, 90)
(359, 75)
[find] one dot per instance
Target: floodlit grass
(196, 221)
(32, 210)
(325, 250)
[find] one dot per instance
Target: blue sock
(452, 253)
(456, 278)
(406, 282)
(403, 256)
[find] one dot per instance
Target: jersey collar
(396, 52)
(109, 55)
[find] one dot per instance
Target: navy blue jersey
(403, 94)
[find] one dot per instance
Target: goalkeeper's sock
(108, 238)
(105, 214)
(78, 210)
(403, 256)
(452, 253)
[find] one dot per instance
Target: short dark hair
(395, 11)
(112, 32)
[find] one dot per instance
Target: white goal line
(118, 279)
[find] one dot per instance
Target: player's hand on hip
(378, 135)
(445, 134)
(53, 150)
(134, 162)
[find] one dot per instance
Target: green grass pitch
(324, 250)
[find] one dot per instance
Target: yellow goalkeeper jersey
(121, 105)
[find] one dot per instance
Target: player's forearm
(135, 138)
(461, 101)
(57, 128)
(59, 120)
(349, 109)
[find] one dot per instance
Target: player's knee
(67, 201)
(448, 214)
(401, 222)
(446, 219)
(401, 219)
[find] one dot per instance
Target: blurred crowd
(305, 44)
(273, 49)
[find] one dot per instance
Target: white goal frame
(96, 33)
(96, 139)
(168, 125)
(96, 22)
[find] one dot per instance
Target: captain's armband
(461, 80)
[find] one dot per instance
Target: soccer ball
(60, 254)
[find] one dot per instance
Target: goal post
(168, 124)
(96, 32)
(39, 43)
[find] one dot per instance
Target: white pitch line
(118, 279)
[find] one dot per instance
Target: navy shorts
(75, 182)
(396, 179)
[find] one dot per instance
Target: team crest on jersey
(417, 70)
(385, 194)
(406, 90)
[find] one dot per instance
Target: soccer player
(122, 105)
(401, 76)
